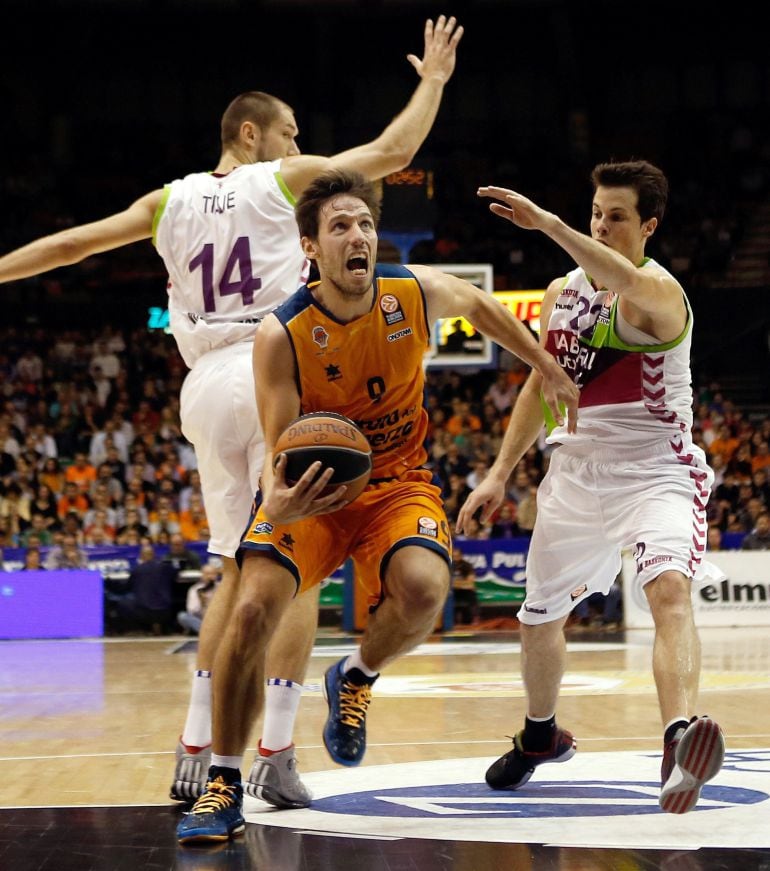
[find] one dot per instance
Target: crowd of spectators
(92, 454)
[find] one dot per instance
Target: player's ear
(309, 248)
(649, 227)
(251, 135)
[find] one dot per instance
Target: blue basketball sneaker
(348, 696)
(216, 816)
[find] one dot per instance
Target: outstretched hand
(516, 209)
(441, 42)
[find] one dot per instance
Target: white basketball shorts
(219, 417)
(589, 510)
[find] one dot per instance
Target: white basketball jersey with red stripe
(633, 390)
(231, 247)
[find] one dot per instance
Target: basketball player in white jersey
(629, 477)
(231, 247)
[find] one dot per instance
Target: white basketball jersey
(231, 248)
(630, 394)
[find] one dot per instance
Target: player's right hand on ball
(288, 504)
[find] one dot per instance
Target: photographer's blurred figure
(198, 598)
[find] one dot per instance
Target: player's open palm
(441, 42)
(515, 208)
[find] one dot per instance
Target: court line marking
(655, 739)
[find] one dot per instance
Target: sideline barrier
(740, 598)
(51, 604)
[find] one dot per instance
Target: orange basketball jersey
(371, 369)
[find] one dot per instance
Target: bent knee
(669, 595)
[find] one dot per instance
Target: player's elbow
(67, 248)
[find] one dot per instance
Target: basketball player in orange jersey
(229, 241)
(352, 343)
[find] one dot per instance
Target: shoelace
(354, 701)
(218, 796)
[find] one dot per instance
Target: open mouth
(358, 265)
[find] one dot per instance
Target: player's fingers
(494, 192)
(457, 36)
(331, 502)
(502, 211)
(572, 416)
(279, 469)
(317, 486)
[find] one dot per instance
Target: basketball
(331, 439)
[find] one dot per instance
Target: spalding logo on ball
(332, 439)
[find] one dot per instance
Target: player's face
(615, 222)
(346, 248)
(278, 140)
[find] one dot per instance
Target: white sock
(226, 761)
(355, 661)
(197, 728)
(281, 705)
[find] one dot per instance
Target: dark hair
(330, 184)
(649, 182)
(255, 106)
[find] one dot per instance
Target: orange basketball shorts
(387, 516)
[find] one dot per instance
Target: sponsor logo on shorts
(653, 562)
(394, 337)
(391, 309)
(532, 610)
(427, 526)
(263, 528)
(576, 594)
(320, 337)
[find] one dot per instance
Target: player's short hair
(330, 184)
(649, 182)
(255, 106)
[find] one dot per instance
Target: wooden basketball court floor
(88, 728)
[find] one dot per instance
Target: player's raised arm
(76, 243)
(651, 290)
(399, 142)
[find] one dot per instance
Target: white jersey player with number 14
(231, 249)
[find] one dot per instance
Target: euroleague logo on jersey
(391, 309)
(320, 337)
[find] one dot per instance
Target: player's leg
(193, 753)
(693, 746)
(569, 558)
(541, 740)
(274, 776)
(220, 419)
(416, 587)
(265, 591)
(670, 533)
(406, 544)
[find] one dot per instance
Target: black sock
(229, 775)
(538, 734)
